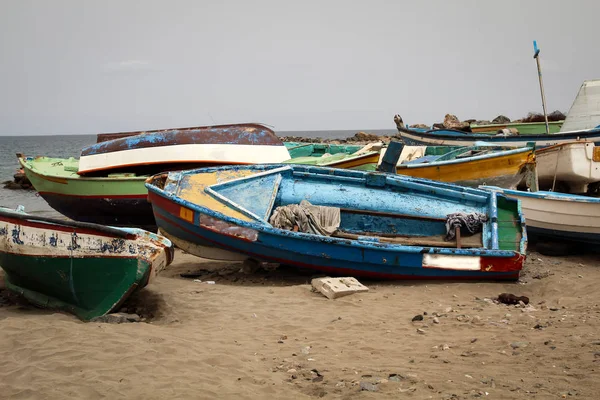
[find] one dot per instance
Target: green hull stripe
(86, 287)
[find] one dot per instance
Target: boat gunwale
(545, 195)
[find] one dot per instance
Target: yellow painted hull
(507, 170)
(355, 162)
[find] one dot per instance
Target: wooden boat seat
(474, 241)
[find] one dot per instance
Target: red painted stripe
(166, 205)
(502, 264)
(183, 228)
(99, 196)
(57, 227)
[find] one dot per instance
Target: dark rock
(364, 137)
(417, 317)
(518, 345)
(501, 119)
(117, 318)
(421, 126)
(369, 387)
(452, 122)
(509, 298)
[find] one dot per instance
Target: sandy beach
(265, 334)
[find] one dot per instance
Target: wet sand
(264, 334)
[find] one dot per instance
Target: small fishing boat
(85, 269)
(449, 137)
(570, 167)
(469, 166)
(117, 199)
(179, 149)
(558, 216)
(523, 128)
(299, 149)
(334, 156)
(359, 223)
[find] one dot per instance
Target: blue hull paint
(339, 188)
(328, 256)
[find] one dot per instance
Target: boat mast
(536, 53)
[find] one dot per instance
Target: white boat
(558, 215)
(574, 165)
(178, 148)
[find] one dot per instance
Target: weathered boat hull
(119, 200)
(574, 164)
(504, 169)
(455, 138)
(559, 216)
(232, 144)
(203, 221)
(86, 269)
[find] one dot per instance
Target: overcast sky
(75, 66)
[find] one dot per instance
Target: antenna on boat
(536, 53)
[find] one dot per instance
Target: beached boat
(85, 269)
(116, 199)
(119, 199)
(449, 137)
(299, 149)
(334, 155)
(469, 166)
(523, 128)
(179, 149)
(558, 216)
(369, 224)
(570, 167)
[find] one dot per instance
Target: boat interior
(372, 207)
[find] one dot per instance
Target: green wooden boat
(115, 199)
(85, 269)
(119, 199)
(524, 128)
(333, 155)
(298, 149)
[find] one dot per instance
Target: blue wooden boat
(388, 226)
(450, 137)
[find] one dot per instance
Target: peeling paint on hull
(85, 271)
(188, 199)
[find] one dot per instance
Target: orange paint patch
(186, 214)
